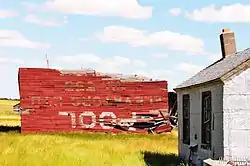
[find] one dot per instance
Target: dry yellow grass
(97, 149)
(7, 116)
(6, 107)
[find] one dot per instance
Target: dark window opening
(186, 119)
(206, 120)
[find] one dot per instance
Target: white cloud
(175, 11)
(157, 74)
(160, 74)
(5, 60)
(160, 56)
(171, 40)
(17, 61)
(80, 59)
(65, 20)
(227, 13)
(7, 14)
(11, 38)
(188, 68)
(32, 6)
(121, 60)
(32, 18)
(120, 65)
(214, 57)
(139, 63)
(118, 8)
(85, 39)
(111, 64)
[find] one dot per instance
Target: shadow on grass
(7, 129)
(158, 159)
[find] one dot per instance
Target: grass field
(7, 117)
(97, 149)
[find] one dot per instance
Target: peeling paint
(87, 101)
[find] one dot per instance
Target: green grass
(97, 149)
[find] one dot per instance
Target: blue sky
(162, 39)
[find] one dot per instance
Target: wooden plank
(73, 102)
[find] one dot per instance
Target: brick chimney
(227, 41)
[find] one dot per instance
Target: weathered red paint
(55, 101)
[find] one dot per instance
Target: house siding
(236, 126)
(195, 121)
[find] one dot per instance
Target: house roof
(217, 70)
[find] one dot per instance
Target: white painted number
(90, 114)
(107, 114)
(72, 115)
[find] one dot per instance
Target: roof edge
(199, 72)
(237, 70)
(218, 80)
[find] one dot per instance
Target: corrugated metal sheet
(52, 100)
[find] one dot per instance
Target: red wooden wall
(54, 101)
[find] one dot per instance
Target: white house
(214, 106)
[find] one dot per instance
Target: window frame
(206, 120)
(186, 119)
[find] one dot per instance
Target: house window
(186, 119)
(206, 119)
